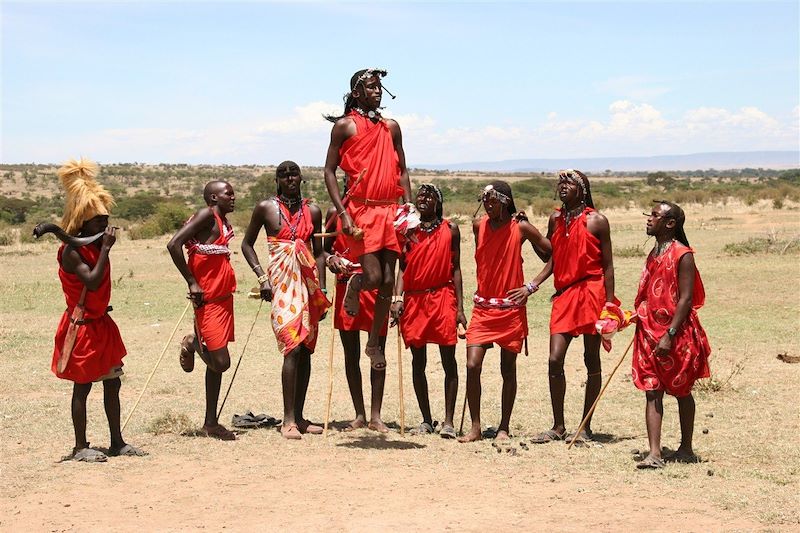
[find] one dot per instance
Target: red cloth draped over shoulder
(295, 226)
(656, 303)
(366, 310)
(577, 277)
(211, 267)
(429, 297)
(98, 345)
(498, 257)
(371, 150)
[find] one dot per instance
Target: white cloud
(629, 128)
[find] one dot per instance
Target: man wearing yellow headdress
(88, 346)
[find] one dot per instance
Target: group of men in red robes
(363, 241)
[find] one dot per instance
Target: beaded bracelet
(532, 287)
(263, 278)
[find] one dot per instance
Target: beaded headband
(432, 189)
(572, 176)
(490, 192)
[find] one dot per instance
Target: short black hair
(211, 188)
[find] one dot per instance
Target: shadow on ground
(379, 442)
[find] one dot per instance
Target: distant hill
(700, 161)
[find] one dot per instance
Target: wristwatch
(672, 332)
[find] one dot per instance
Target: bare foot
(351, 300)
(378, 425)
(474, 435)
(682, 455)
(218, 431)
(186, 357)
(291, 432)
(502, 434)
(306, 426)
(358, 423)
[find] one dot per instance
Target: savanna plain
(746, 430)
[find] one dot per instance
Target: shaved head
(213, 187)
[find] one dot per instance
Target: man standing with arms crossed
(369, 149)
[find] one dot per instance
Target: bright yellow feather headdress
(85, 198)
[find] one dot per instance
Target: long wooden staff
(235, 370)
(603, 390)
(171, 335)
(463, 412)
(400, 379)
(330, 375)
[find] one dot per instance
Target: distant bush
(167, 219)
(762, 245)
(138, 206)
(629, 251)
(15, 210)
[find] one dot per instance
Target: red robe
(577, 277)
(371, 150)
(210, 265)
(296, 315)
(499, 269)
(98, 345)
(429, 296)
(366, 310)
(656, 303)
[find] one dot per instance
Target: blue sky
(247, 82)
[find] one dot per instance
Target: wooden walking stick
(146, 383)
(597, 400)
(330, 376)
(235, 370)
(400, 379)
(463, 412)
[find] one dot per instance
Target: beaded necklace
(570, 216)
(292, 227)
(429, 227)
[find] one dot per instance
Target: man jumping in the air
(369, 148)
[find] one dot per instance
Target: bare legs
(351, 342)
(378, 274)
(654, 415)
(419, 362)
(217, 362)
(508, 369)
(80, 392)
(295, 376)
(558, 383)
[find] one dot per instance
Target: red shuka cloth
(98, 345)
(656, 302)
(499, 269)
(578, 271)
(215, 275)
(371, 150)
(366, 310)
(429, 296)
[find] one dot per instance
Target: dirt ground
(746, 428)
